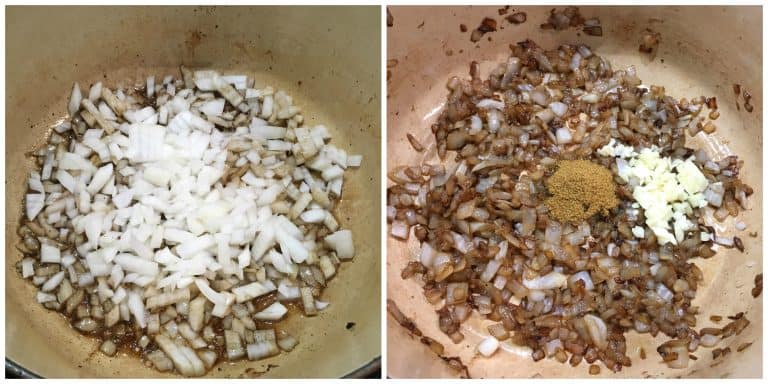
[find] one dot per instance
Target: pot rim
(363, 372)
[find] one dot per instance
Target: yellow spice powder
(580, 189)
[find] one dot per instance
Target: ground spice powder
(580, 189)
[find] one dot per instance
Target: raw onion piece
(564, 136)
(490, 104)
(265, 345)
(287, 343)
(341, 242)
(548, 281)
(272, 313)
(558, 108)
(598, 331)
(709, 340)
(399, 230)
(488, 346)
(27, 267)
(34, 203)
(49, 253)
(74, 99)
(583, 276)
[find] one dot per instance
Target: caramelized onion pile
(568, 291)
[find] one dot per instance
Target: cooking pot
(703, 51)
(327, 58)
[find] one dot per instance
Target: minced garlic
(666, 189)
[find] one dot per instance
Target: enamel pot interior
(327, 58)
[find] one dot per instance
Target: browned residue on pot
(758, 289)
(194, 38)
(453, 361)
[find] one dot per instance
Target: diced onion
(548, 281)
(488, 346)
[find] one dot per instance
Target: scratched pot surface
(429, 48)
(334, 52)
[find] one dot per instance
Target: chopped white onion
(598, 331)
(488, 346)
(558, 108)
(490, 104)
(49, 253)
(53, 282)
(274, 312)
(34, 203)
(549, 281)
(399, 229)
(585, 277)
(664, 292)
(563, 135)
(341, 242)
(74, 99)
(724, 241)
(709, 340)
(27, 267)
